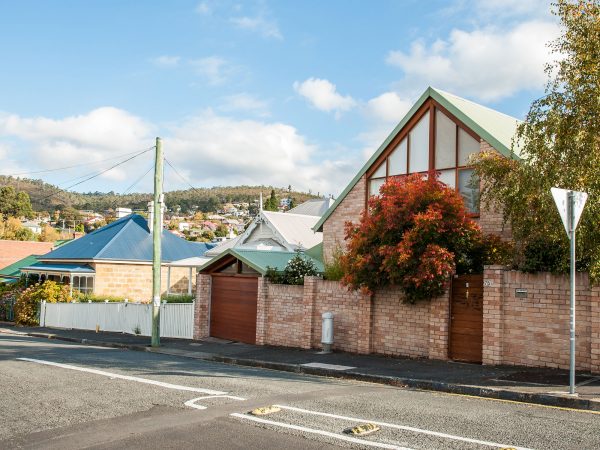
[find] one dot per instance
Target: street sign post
(570, 206)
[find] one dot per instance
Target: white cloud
(102, 133)
(246, 103)
(218, 150)
(267, 28)
(323, 95)
(388, 107)
(213, 69)
(486, 63)
(166, 61)
(208, 149)
(203, 8)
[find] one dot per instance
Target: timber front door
(466, 318)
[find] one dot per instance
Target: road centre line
(404, 427)
(321, 432)
(176, 387)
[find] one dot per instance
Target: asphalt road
(62, 395)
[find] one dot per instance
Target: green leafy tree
(272, 204)
(15, 204)
(559, 145)
(221, 231)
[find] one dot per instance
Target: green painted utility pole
(156, 235)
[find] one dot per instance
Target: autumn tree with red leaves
(413, 235)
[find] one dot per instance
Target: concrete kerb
(409, 383)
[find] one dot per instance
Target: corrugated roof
(14, 270)
(494, 127)
(221, 247)
(67, 268)
(126, 239)
(259, 260)
(312, 207)
(296, 229)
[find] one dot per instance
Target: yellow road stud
(363, 430)
(265, 410)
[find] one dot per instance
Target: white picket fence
(176, 319)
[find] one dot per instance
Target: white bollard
(327, 332)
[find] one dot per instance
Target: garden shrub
(333, 269)
(27, 302)
(413, 235)
(295, 270)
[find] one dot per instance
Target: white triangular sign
(561, 198)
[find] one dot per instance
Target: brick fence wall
(534, 330)
(381, 323)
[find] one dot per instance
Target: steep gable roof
(126, 239)
(295, 229)
(494, 127)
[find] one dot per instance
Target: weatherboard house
(116, 260)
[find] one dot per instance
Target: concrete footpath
(522, 384)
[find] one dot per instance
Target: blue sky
(261, 92)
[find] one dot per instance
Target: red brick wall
(13, 251)
(348, 210)
(401, 329)
(284, 315)
(534, 331)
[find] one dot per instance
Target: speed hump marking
(363, 430)
(265, 410)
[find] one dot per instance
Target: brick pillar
(262, 307)
(202, 306)
(439, 318)
(595, 329)
(311, 285)
(493, 328)
(364, 325)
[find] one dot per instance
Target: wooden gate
(233, 308)
(466, 323)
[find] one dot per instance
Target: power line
(181, 176)
(75, 165)
(138, 180)
(97, 174)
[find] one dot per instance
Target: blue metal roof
(70, 268)
(126, 239)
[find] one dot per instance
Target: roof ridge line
(97, 255)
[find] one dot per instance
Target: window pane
(419, 145)
(90, 284)
(445, 141)
(397, 159)
(380, 172)
(448, 177)
(468, 186)
(466, 147)
(374, 185)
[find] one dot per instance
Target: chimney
(151, 215)
(260, 204)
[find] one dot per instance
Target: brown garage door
(466, 324)
(233, 308)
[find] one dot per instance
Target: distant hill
(47, 197)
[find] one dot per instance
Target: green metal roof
(13, 272)
(492, 126)
(259, 260)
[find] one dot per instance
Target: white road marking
(327, 366)
(192, 403)
(176, 387)
(404, 427)
(362, 442)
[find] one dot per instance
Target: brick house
(116, 260)
(499, 317)
(439, 133)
